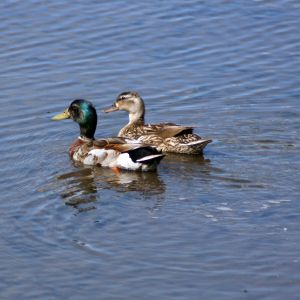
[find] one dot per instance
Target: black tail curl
(142, 152)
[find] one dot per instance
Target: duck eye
(75, 111)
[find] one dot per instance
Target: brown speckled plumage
(167, 137)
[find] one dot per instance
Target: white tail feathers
(194, 143)
(150, 157)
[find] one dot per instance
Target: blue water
(222, 226)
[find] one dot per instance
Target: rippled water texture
(222, 226)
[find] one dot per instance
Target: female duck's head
(131, 102)
(84, 113)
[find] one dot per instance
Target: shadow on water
(83, 186)
(189, 163)
(187, 158)
(79, 189)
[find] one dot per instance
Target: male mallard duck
(116, 153)
(167, 137)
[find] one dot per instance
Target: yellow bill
(62, 116)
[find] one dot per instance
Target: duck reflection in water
(82, 187)
(190, 165)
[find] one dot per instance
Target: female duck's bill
(116, 153)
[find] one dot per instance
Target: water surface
(222, 226)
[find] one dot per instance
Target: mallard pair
(116, 153)
(139, 146)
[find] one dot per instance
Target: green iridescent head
(84, 113)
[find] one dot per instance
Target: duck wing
(137, 151)
(168, 130)
(118, 144)
(106, 142)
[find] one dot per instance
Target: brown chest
(75, 146)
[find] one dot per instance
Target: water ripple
(232, 70)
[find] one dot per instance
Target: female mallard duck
(116, 153)
(167, 137)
